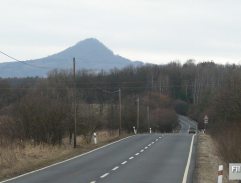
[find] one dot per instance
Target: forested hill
(89, 54)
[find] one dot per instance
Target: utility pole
(75, 109)
(186, 89)
(120, 112)
(148, 111)
(138, 117)
(148, 116)
(160, 88)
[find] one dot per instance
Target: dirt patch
(18, 158)
(208, 160)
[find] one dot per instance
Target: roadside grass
(19, 158)
(208, 159)
(229, 143)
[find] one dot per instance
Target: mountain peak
(91, 45)
(92, 40)
(90, 54)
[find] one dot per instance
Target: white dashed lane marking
(103, 176)
(130, 158)
(115, 168)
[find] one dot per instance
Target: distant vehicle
(192, 130)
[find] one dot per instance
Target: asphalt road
(144, 158)
(186, 123)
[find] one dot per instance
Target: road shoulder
(207, 161)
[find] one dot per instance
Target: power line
(109, 92)
(97, 88)
(43, 67)
(23, 62)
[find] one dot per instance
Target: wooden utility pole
(138, 117)
(148, 116)
(120, 112)
(186, 90)
(148, 111)
(160, 88)
(75, 108)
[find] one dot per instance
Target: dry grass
(22, 157)
(208, 159)
(16, 159)
(229, 140)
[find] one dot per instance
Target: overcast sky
(155, 31)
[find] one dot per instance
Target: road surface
(186, 123)
(144, 158)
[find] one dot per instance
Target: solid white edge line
(124, 162)
(184, 180)
(34, 171)
(103, 176)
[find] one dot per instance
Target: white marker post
(134, 128)
(150, 130)
(205, 122)
(220, 173)
(95, 138)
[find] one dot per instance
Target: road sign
(234, 171)
(205, 119)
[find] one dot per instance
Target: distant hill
(89, 54)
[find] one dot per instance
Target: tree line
(42, 108)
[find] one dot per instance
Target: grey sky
(155, 31)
